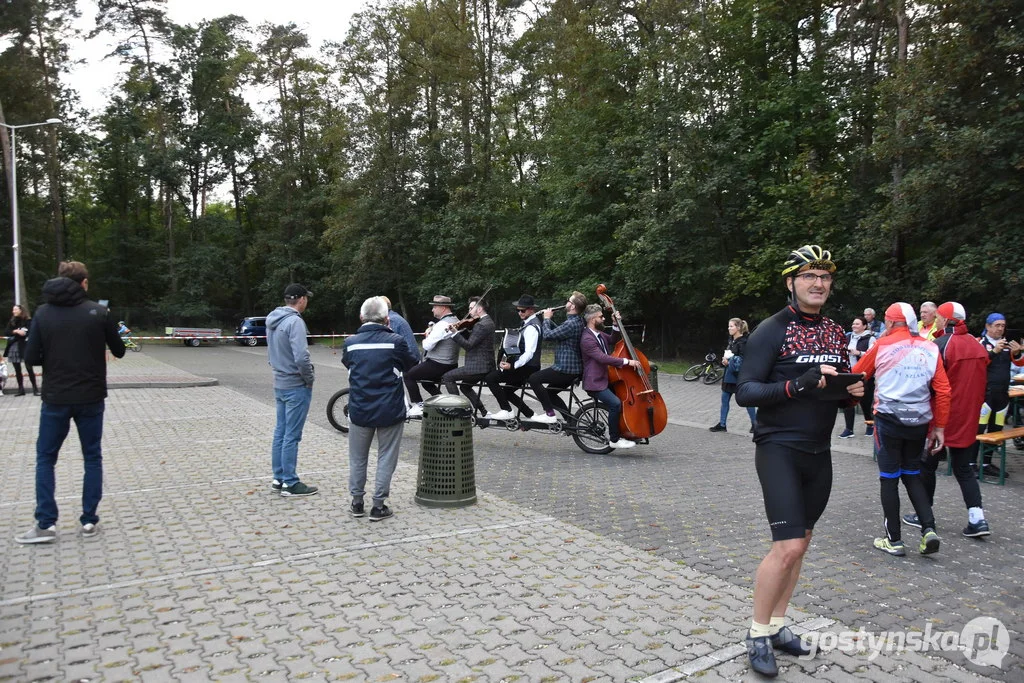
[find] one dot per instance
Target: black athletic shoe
(383, 512)
(977, 530)
(762, 656)
(356, 509)
(993, 471)
(788, 642)
(912, 520)
(718, 428)
(297, 490)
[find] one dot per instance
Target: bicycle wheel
(591, 423)
(337, 411)
(136, 346)
(713, 375)
(694, 372)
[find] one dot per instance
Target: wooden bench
(991, 443)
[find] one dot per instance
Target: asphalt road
(693, 497)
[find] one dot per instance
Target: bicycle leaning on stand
(709, 372)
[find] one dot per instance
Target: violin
(470, 320)
(643, 409)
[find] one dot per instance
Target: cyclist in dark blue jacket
(375, 357)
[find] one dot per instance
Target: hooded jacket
(68, 338)
(966, 363)
(287, 351)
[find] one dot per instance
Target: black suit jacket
(479, 346)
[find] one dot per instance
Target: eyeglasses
(810, 278)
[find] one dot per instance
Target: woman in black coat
(732, 359)
(17, 334)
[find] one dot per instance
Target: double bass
(643, 409)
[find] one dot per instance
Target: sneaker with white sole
(37, 535)
(379, 513)
(544, 418)
(500, 415)
(89, 530)
(298, 489)
(415, 410)
(622, 443)
(275, 485)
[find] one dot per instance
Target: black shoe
(751, 429)
(788, 642)
(383, 512)
(718, 428)
(21, 392)
(762, 656)
(275, 486)
(977, 530)
(298, 489)
(912, 520)
(35, 392)
(356, 509)
(993, 471)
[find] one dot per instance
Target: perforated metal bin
(446, 477)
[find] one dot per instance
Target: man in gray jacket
(293, 388)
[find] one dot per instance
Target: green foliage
(674, 151)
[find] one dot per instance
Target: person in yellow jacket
(928, 327)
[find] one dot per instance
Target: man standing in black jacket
(68, 338)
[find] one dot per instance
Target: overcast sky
(320, 19)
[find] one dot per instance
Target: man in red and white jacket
(911, 407)
(966, 363)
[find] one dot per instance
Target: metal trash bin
(654, 376)
(446, 477)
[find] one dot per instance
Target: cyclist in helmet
(783, 373)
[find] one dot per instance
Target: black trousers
(21, 380)
(468, 379)
(506, 397)
(865, 406)
(554, 378)
(425, 371)
(965, 476)
(899, 459)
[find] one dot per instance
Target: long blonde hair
(741, 325)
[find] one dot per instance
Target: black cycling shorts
(796, 486)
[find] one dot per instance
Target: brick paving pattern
(570, 568)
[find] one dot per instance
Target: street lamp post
(15, 227)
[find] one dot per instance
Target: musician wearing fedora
(519, 362)
(441, 354)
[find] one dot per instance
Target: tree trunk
(903, 37)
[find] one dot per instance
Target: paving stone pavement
(201, 573)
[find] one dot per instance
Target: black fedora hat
(440, 300)
(525, 301)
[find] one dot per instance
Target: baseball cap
(296, 291)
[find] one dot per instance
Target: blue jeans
(724, 415)
(388, 441)
(292, 407)
(54, 424)
(614, 405)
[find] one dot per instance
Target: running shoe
(847, 434)
(89, 530)
(929, 542)
(383, 512)
(37, 535)
(298, 489)
(977, 530)
(356, 509)
(718, 428)
(912, 520)
(892, 547)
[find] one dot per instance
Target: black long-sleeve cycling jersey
(781, 349)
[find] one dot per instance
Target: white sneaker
(622, 443)
(500, 415)
(89, 530)
(544, 418)
(415, 410)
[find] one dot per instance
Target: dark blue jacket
(376, 357)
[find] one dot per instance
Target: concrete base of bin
(446, 477)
